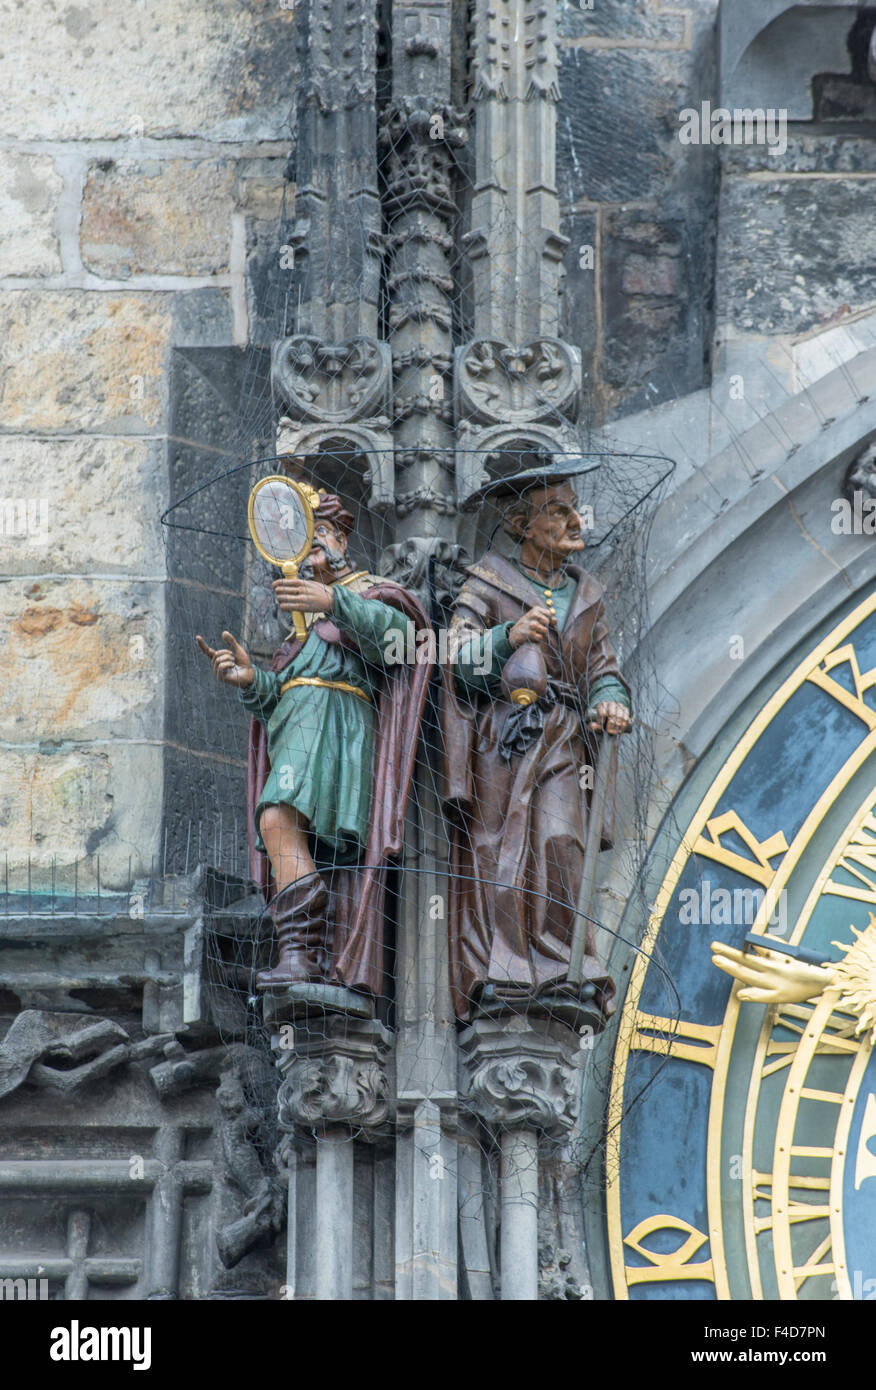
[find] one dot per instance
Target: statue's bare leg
(299, 904)
(284, 833)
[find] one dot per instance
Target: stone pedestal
(334, 1088)
(520, 1080)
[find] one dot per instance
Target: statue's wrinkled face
(327, 555)
(554, 527)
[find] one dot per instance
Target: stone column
(331, 374)
(519, 1080)
(335, 1088)
(517, 384)
(420, 135)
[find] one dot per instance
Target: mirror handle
(289, 570)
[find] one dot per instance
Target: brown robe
(356, 915)
(518, 831)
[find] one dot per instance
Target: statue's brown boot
(298, 913)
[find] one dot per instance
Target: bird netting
(358, 772)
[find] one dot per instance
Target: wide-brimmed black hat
(555, 469)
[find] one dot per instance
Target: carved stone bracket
(519, 1074)
(335, 1076)
(333, 383)
(499, 383)
(513, 399)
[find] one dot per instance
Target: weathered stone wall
(642, 201)
(141, 156)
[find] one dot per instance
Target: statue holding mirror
(334, 730)
(533, 681)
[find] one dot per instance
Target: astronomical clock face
(742, 1134)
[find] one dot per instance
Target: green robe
(320, 741)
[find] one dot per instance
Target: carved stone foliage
(517, 1075)
(498, 383)
(338, 1078)
(430, 567)
(861, 475)
(418, 136)
(332, 382)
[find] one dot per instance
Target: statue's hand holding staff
(303, 596)
(231, 665)
(611, 716)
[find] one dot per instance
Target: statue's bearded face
(553, 527)
(327, 556)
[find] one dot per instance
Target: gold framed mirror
(280, 514)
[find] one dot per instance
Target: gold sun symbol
(855, 975)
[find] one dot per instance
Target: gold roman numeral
(858, 860)
(669, 1037)
(663, 1268)
(799, 1211)
(837, 1039)
(762, 1191)
(762, 851)
(865, 1160)
(841, 656)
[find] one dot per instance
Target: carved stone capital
(332, 383)
(334, 1076)
(520, 1074)
(418, 137)
(419, 118)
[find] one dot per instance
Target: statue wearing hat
(333, 740)
(532, 679)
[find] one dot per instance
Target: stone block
(653, 309)
(656, 275)
(157, 217)
(30, 188)
(89, 503)
(65, 803)
(800, 253)
(620, 19)
(268, 282)
(259, 185)
(616, 126)
(82, 360)
(88, 659)
(823, 152)
(222, 71)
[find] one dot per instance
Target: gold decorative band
(326, 685)
(522, 696)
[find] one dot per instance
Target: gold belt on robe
(326, 685)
